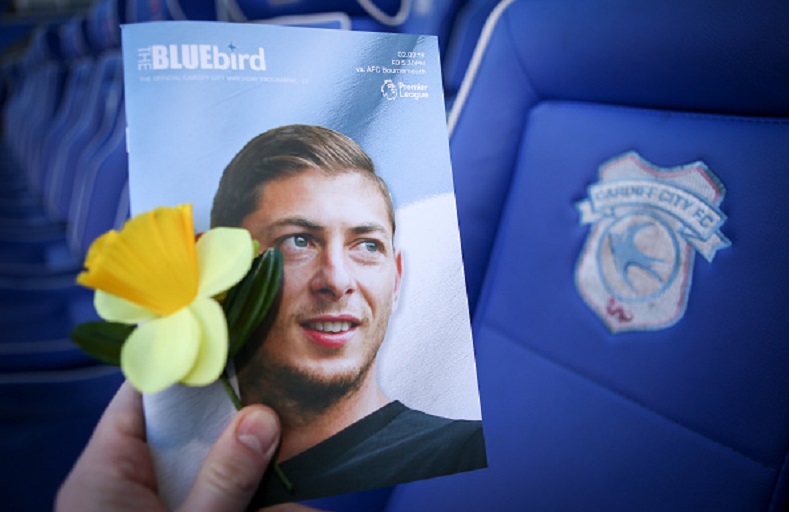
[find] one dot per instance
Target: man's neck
(299, 436)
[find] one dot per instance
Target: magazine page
(330, 146)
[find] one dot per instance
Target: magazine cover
(330, 146)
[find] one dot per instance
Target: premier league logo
(389, 90)
(647, 222)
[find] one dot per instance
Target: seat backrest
(138, 11)
(100, 197)
(242, 10)
(105, 77)
(47, 415)
(620, 170)
(104, 22)
(79, 60)
(36, 99)
(434, 17)
(70, 109)
(462, 38)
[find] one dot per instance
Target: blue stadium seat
(76, 62)
(138, 11)
(81, 140)
(101, 101)
(461, 40)
(99, 203)
(242, 10)
(405, 16)
(192, 9)
(104, 20)
(86, 118)
(46, 417)
(52, 393)
(597, 147)
(31, 110)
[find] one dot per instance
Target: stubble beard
(299, 395)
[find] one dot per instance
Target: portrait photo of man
(314, 194)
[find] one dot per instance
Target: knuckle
(231, 478)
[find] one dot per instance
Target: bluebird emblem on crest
(626, 253)
(647, 223)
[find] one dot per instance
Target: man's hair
(283, 152)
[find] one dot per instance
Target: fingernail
(259, 430)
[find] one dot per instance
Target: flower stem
(231, 392)
(283, 478)
(238, 405)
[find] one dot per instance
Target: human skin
(342, 278)
(116, 471)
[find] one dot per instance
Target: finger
(233, 468)
(115, 467)
(124, 415)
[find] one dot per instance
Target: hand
(115, 472)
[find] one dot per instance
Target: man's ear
(398, 279)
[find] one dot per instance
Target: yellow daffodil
(153, 273)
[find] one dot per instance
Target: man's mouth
(331, 332)
(330, 327)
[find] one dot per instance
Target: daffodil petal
(212, 354)
(160, 352)
(224, 256)
(115, 309)
(151, 261)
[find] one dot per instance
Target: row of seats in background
(63, 182)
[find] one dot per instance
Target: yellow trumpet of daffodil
(153, 273)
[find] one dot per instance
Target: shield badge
(647, 223)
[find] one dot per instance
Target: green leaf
(253, 300)
(102, 340)
(237, 297)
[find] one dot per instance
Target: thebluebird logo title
(199, 56)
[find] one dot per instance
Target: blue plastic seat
(86, 119)
(52, 393)
(138, 11)
(462, 38)
(58, 190)
(240, 10)
(17, 245)
(40, 298)
(404, 16)
(32, 109)
(46, 418)
(631, 342)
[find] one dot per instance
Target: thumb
(235, 464)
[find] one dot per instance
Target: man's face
(341, 272)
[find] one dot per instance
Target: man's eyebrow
(370, 227)
(312, 226)
(299, 222)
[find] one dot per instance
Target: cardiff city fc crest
(647, 223)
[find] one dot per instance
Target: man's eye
(300, 241)
(295, 242)
(371, 246)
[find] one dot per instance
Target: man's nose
(333, 278)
